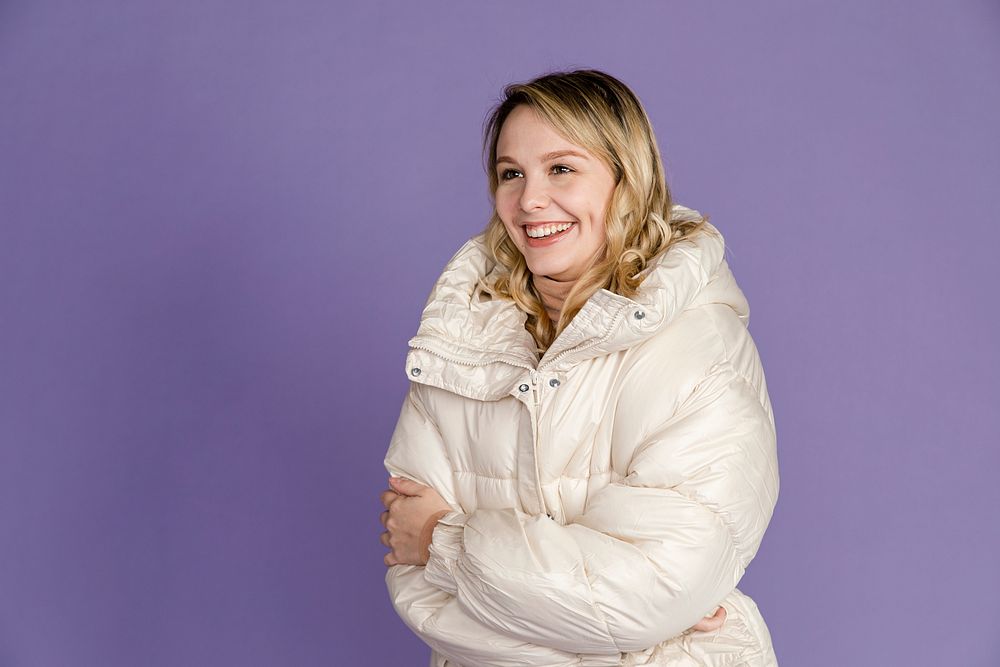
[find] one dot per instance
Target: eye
(508, 174)
(561, 166)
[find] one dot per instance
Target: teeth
(546, 230)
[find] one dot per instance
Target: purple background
(219, 222)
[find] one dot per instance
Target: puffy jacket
(606, 496)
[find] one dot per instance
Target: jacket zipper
(534, 434)
(535, 408)
(467, 362)
(614, 325)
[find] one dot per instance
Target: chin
(546, 267)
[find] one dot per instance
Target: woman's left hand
(410, 508)
(710, 623)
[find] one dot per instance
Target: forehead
(526, 135)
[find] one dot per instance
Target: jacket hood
(475, 345)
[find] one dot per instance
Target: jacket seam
(418, 402)
(597, 607)
(728, 359)
(479, 474)
(555, 481)
(727, 362)
(728, 525)
(460, 390)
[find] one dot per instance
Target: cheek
(593, 231)
(506, 200)
(512, 233)
(505, 206)
(595, 208)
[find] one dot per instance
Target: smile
(541, 231)
(543, 235)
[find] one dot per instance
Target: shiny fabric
(606, 496)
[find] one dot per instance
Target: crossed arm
(413, 511)
(649, 557)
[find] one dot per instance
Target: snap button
(553, 382)
(414, 371)
(524, 387)
(638, 314)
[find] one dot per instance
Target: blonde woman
(584, 464)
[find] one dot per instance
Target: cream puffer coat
(606, 496)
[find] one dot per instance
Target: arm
(443, 624)
(652, 553)
(416, 451)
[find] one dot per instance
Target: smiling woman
(585, 462)
(551, 197)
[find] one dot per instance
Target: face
(551, 196)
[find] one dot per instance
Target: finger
(384, 517)
(406, 486)
(384, 538)
(720, 614)
(388, 496)
(702, 626)
(713, 622)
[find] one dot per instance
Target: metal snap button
(524, 387)
(414, 371)
(553, 382)
(638, 314)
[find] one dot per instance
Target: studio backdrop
(219, 222)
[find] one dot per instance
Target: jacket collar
(478, 347)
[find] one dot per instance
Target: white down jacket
(606, 496)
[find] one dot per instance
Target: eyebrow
(546, 157)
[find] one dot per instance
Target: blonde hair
(598, 112)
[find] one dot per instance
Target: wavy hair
(598, 112)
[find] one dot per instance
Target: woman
(584, 464)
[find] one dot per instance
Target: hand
(710, 623)
(387, 497)
(420, 500)
(412, 511)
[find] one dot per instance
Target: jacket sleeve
(416, 451)
(653, 551)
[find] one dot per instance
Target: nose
(535, 195)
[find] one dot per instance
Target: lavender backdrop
(219, 222)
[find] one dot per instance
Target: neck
(553, 293)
